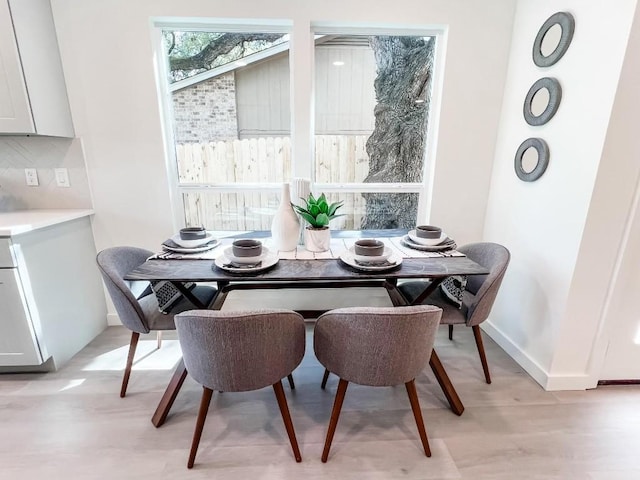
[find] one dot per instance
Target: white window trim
(301, 61)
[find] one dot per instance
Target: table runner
(337, 247)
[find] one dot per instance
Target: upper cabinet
(33, 94)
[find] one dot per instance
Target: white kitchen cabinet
(51, 295)
(33, 94)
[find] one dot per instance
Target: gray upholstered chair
(479, 295)
(381, 346)
(238, 352)
(140, 314)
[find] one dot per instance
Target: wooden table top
(312, 270)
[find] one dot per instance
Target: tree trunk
(397, 145)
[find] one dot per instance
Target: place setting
(187, 242)
(246, 256)
(369, 254)
(429, 238)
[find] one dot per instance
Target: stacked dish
(385, 261)
(438, 244)
(231, 263)
(180, 245)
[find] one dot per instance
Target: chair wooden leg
(159, 338)
(291, 384)
(286, 418)
(335, 415)
(450, 332)
(127, 369)
(417, 414)
(483, 358)
(202, 416)
(325, 377)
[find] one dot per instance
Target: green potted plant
(318, 213)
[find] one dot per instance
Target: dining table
(309, 272)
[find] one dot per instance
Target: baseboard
(113, 320)
(546, 380)
(532, 367)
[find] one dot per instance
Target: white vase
(285, 228)
(317, 239)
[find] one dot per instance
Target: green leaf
(322, 220)
(334, 207)
(308, 218)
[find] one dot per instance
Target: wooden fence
(339, 159)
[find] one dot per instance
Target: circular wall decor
(555, 95)
(542, 150)
(567, 24)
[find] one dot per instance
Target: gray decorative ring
(555, 95)
(567, 24)
(543, 159)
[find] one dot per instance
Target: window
(230, 116)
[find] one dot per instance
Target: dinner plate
(202, 248)
(228, 252)
(348, 257)
(371, 258)
(192, 243)
(268, 261)
(427, 241)
(406, 240)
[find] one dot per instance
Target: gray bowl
(369, 247)
(247, 248)
(193, 233)
(428, 231)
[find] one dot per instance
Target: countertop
(14, 223)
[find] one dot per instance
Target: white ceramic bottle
(285, 229)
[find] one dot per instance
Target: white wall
(108, 61)
(543, 222)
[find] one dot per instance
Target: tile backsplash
(44, 154)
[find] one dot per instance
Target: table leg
(179, 376)
(447, 387)
(169, 395)
(436, 366)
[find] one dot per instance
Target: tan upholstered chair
(478, 298)
(378, 347)
(140, 314)
(238, 352)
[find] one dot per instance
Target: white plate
(406, 240)
(268, 261)
(349, 258)
(203, 248)
(228, 252)
(370, 258)
(192, 243)
(427, 241)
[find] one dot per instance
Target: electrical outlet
(31, 174)
(62, 177)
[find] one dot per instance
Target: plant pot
(317, 239)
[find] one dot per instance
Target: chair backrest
(496, 258)
(376, 345)
(114, 263)
(243, 350)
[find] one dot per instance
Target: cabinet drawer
(6, 256)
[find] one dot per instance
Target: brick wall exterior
(206, 112)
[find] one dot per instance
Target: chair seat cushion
(451, 315)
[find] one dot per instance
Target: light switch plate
(62, 177)
(31, 175)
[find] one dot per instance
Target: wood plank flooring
(72, 423)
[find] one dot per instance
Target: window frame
(302, 104)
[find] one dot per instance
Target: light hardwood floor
(72, 424)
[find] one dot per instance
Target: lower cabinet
(51, 295)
